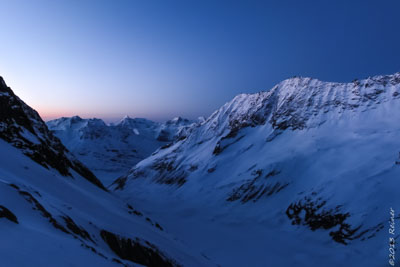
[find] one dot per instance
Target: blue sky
(160, 59)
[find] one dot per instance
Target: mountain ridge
(112, 149)
(23, 127)
(254, 109)
(305, 162)
(55, 212)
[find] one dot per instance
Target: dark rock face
(137, 251)
(256, 188)
(73, 227)
(170, 172)
(225, 142)
(37, 206)
(312, 213)
(6, 213)
(119, 183)
(22, 127)
(164, 136)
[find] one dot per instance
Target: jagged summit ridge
(307, 162)
(294, 102)
(111, 150)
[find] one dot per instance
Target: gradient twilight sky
(160, 59)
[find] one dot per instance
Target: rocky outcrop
(136, 250)
(312, 212)
(6, 213)
(22, 127)
(258, 187)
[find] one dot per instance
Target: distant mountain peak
(179, 118)
(127, 120)
(76, 118)
(114, 149)
(301, 102)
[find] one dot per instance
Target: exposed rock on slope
(22, 126)
(48, 220)
(307, 162)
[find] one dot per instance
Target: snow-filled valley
(304, 174)
(55, 212)
(110, 150)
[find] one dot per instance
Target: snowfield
(110, 150)
(304, 174)
(55, 212)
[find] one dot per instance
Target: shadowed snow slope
(54, 211)
(111, 150)
(301, 175)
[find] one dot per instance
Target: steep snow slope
(24, 129)
(304, 174)
(54, 211)
(111, 150)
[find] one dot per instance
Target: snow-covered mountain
(111, 150)
(304, 174)
(22, 127)
(55, 212)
